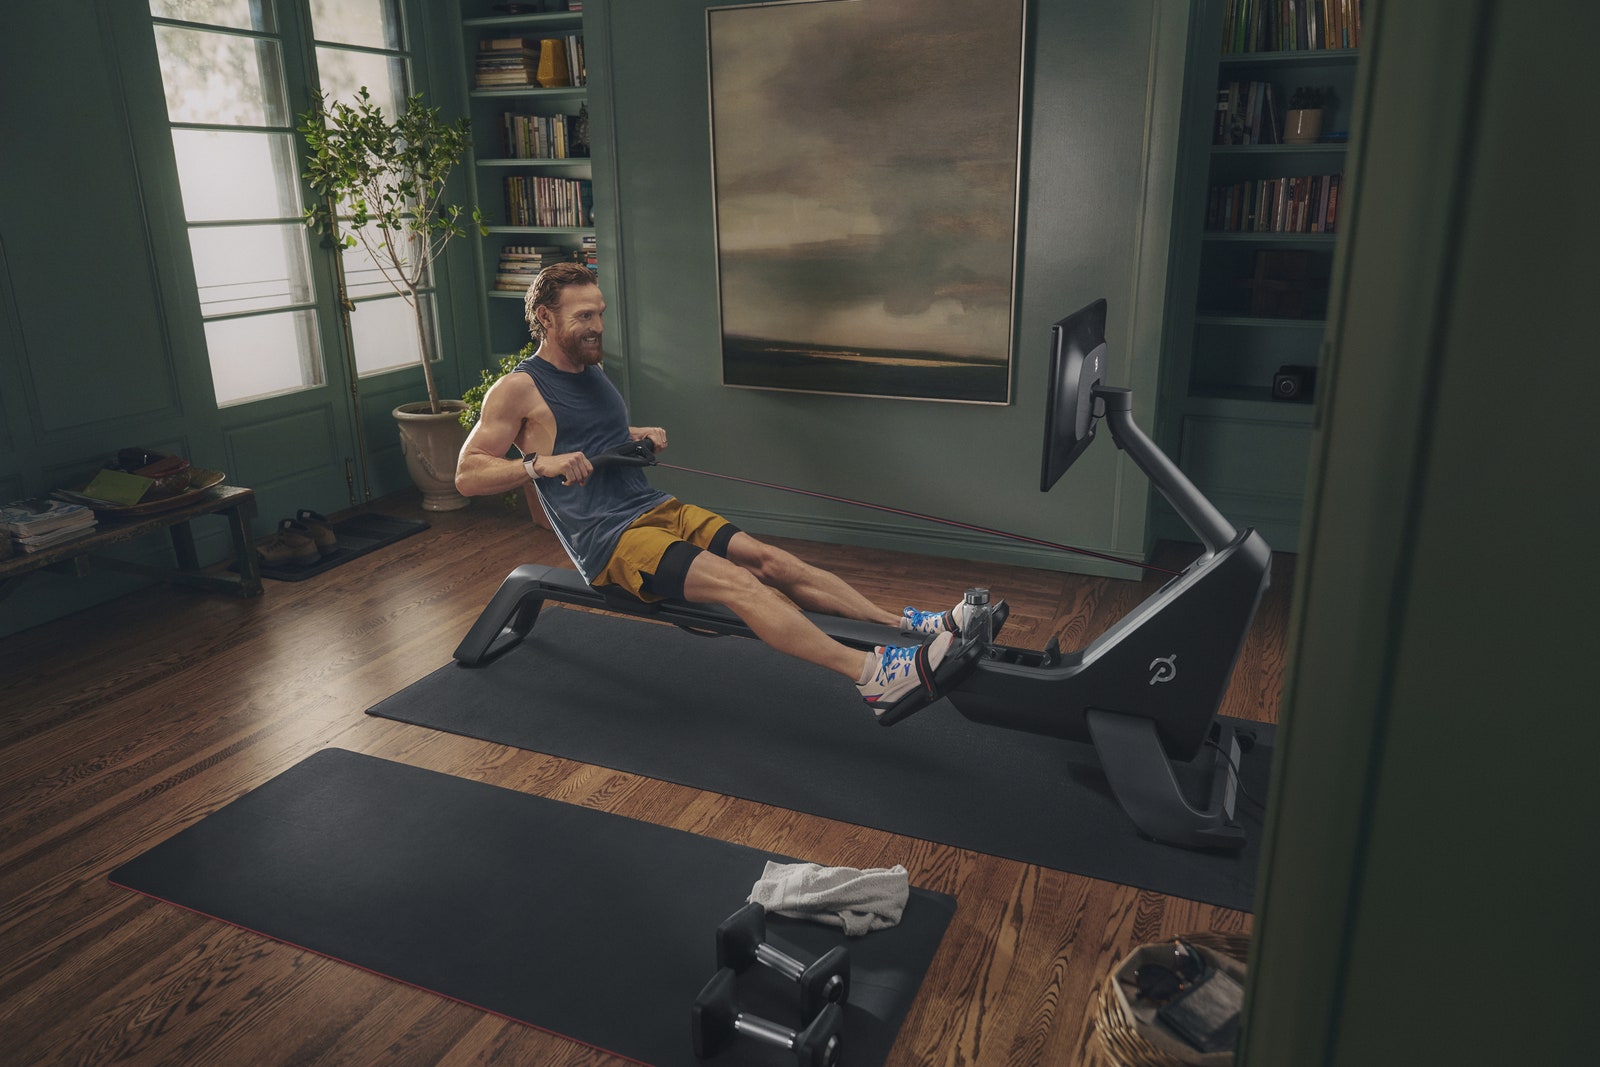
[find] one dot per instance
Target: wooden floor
(124, 724)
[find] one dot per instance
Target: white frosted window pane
(221, 79)
(362, 276)
(263, 355)
(250, 268)
(385, 333)
(342, 73)
(228, 175)
(237, 14)
(369, 23)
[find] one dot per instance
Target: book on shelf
(33, 518)
(1291, 25)
(530, 62)
(1247, 113)
(506, 61)
(543, 136)
(520, 264)
(1301, 204)
(575, 60)
(554, 202)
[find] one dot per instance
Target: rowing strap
(927, 518)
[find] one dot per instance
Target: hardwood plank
(124, 724)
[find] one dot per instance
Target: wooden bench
(76, 556)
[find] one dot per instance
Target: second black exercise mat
(733, 716)
(586, 924)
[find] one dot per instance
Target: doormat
(358, 535)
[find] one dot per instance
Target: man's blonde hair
(546, 291)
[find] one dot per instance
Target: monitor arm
(1214, 531)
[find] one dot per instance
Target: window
(226, 66)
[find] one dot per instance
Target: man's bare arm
(514, 414)
(510, 405)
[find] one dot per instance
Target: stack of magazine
(39, 524)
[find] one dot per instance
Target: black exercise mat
(587, 924)
(733, 716)
(358, 535)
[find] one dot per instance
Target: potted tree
(382, 185)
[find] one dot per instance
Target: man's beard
(572, 344)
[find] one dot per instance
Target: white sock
(871, 667)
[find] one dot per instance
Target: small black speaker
(1294, 382)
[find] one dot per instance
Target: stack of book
(1247, 113)
(38, 524)
(1307, 204)
(549, 202)
(591, 255)
(576, 64)
(520, 264)
(541, 136)
(506, 63)
(1291, 25)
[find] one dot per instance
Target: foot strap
(956, 666)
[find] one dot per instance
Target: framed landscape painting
(865, 159)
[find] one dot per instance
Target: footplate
(955, 668)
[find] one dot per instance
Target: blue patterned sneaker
(913, 621)
(903, 670)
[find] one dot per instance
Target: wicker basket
(1128, 1034)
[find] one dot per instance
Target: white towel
(858, 900)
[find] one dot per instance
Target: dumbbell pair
(824, 987)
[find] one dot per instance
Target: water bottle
(978, 625)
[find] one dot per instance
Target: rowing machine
(512, 611)
(1145, 693)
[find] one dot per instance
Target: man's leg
(883, 677)
(813, 588)
(713, 579)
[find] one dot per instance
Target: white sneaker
(913, 621)
(902, 670)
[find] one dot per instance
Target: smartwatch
(527, 464)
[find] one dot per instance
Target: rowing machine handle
(640, 453)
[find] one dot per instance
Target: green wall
(1101, 103)
(102, 346)
(93, 355)
(1427, 885)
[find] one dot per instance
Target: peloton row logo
(1163, 668)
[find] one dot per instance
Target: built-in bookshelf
(527, 83)
(1258, 216)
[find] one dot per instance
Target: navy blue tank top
(591, 417)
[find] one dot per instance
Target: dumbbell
(718, 1020)
(742, 940)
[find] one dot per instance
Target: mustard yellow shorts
(653, 555)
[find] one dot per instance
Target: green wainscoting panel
(289, 460)
(1254, 471)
